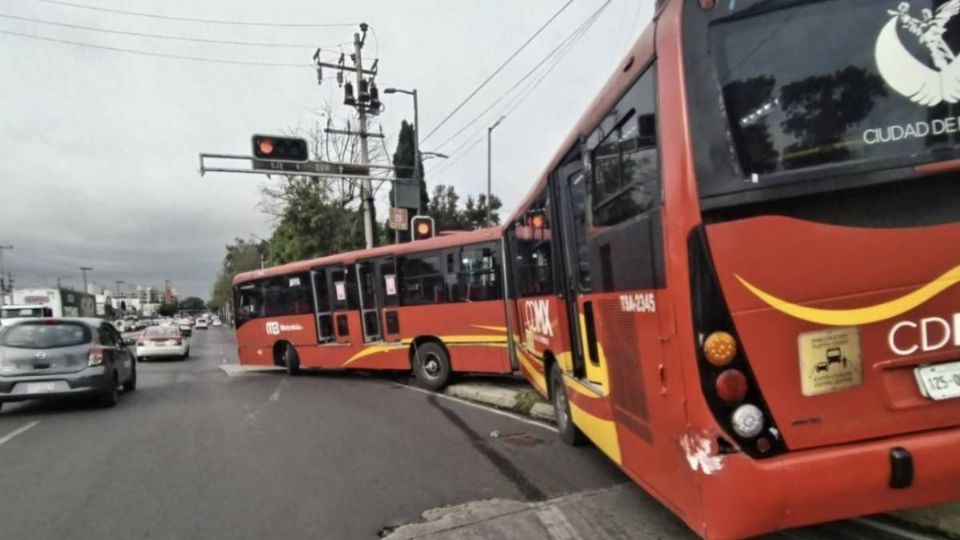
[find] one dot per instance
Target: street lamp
(427, 155)
(417, 173)
(4, 283)
(489, 160)
(85, 269)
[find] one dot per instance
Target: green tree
(192, 303)
(447, 214)
(403, 160)
(167, 310)
(241, 256)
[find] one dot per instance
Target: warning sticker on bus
(830, 360)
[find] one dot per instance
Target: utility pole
(489, 170)
(84, 269)
(9, 283)
(366, 185)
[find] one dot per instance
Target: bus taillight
(728, 383)
(720, 348)
(732, 386)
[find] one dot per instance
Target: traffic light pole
(366, 186)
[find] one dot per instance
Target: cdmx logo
(903, 71)
(273, 328)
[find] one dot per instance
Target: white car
(162, 342)
(216, 322)
(201, 324)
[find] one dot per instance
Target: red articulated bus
(435, 306)
(739, 275)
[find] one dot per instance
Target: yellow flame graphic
(859, 316)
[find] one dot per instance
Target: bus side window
(249, 302)
(532, 250)
(626, 178)
(421, 279)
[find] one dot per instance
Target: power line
(517, 100)
(496, 71)
(164, 36)
(157, 54)
(571, 37)
(195, 19)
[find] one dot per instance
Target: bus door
(369, 301)
(344, 299)
(570, 191)
(389, 293)
(323, 307)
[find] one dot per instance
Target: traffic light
(422, 227)
(273, 148)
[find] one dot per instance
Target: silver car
(62, 357)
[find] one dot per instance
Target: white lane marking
(556, 524)
(275, 396)
(6, 438)
(493, 410)
(890, 529)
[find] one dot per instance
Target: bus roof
(620, 82)
(438, 242)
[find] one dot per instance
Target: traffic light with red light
(422, 227)
(268, 147)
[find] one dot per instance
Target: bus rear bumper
(749, 497)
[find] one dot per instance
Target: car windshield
(161, 331)
(45, 335)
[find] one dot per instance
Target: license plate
(940, 381)
(41, 387)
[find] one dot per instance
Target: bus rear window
(834, 82)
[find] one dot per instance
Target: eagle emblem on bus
(903, 71)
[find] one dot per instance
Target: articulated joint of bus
(727, 382)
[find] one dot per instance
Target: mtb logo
(537, 316)
(904, 72)
(273, 328)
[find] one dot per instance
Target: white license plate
(939, 381)
(41, 387)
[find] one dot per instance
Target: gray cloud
(101, 147)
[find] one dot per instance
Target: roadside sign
(398, 219)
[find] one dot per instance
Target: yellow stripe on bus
(859, 316)
(538, 379)
(602, 432)
(491, 328)
(373, 349)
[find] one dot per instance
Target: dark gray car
(56, 358)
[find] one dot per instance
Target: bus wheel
(431, 366)
(569, 433)
(291, 361)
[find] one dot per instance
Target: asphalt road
(197, 453)
(194, 453)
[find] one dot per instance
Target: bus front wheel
(431, 365)
(569, 433)
(291, 361)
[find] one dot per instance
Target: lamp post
(489, 161)
(85, 269)
(3, 290)
(417, 173)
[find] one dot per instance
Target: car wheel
(131, 383)
(186, 354)
(291, 360)
(431, 366)
(569, 433)
(111, 397)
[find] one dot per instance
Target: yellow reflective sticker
(830, 360)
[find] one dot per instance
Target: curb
(516, 398)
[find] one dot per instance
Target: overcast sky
(100, 165)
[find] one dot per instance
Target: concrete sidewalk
(619, 512)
